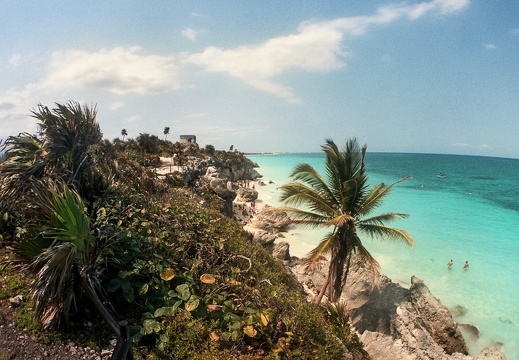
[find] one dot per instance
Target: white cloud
(317, 46)
(189, 33)
(118, 70)
(116, 105)
(15, 60)
(515, 32)
(489, 46)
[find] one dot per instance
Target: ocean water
(471, 215)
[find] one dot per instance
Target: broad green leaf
(183, 291)
(114, 284)
(144, 289)
(151, 326)
(192, 303)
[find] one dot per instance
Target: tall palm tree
(124, 133)
(166, 132)
(341, 201)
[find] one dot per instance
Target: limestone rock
(281, 250)
(470, 330)
(271, 221)
(264, 237)
(247, 194)
(441, 326)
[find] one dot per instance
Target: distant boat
(441, 176)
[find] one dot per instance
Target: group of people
(450, 263)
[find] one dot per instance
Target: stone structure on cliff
(188, 140)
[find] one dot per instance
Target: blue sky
(438, 76)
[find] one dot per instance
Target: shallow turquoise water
(472, 214)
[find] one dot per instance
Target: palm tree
(341, 201)
(166, 132)
(62, 256)
(124, 133)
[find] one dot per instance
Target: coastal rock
(264, 237)
(458, 310)
(470, 330)
(246, 194)
(281, 250)
(489, 353)
(441, 326)
(271, 221)
(395, 322)
(225, 190)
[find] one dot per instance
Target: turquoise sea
(470, 215)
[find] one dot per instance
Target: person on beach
(449, 264)
(466, 266)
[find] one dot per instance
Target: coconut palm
(341, 200)
(124, 133)
(166, 132)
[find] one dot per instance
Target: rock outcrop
(393, 322)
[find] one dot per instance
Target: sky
(437, 76)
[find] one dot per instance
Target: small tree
(210, 149)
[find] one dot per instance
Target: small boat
(441, 176)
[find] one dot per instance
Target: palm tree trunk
(323, 289)
(91, 294)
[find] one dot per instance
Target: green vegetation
(341, 201)
(103, 239)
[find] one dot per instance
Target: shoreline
(298, 248)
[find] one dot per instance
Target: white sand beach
(301, 240)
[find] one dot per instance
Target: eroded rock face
(438, 319)
(246, 194)
(271, 221)
(395, 322)
(281, 250)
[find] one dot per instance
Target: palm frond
(308, 175)
(300, 216)
(386, 233)
(52, 295)
(327, 246)
(377, 194)
(382, 218)
(64, 218)
(297, 194)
